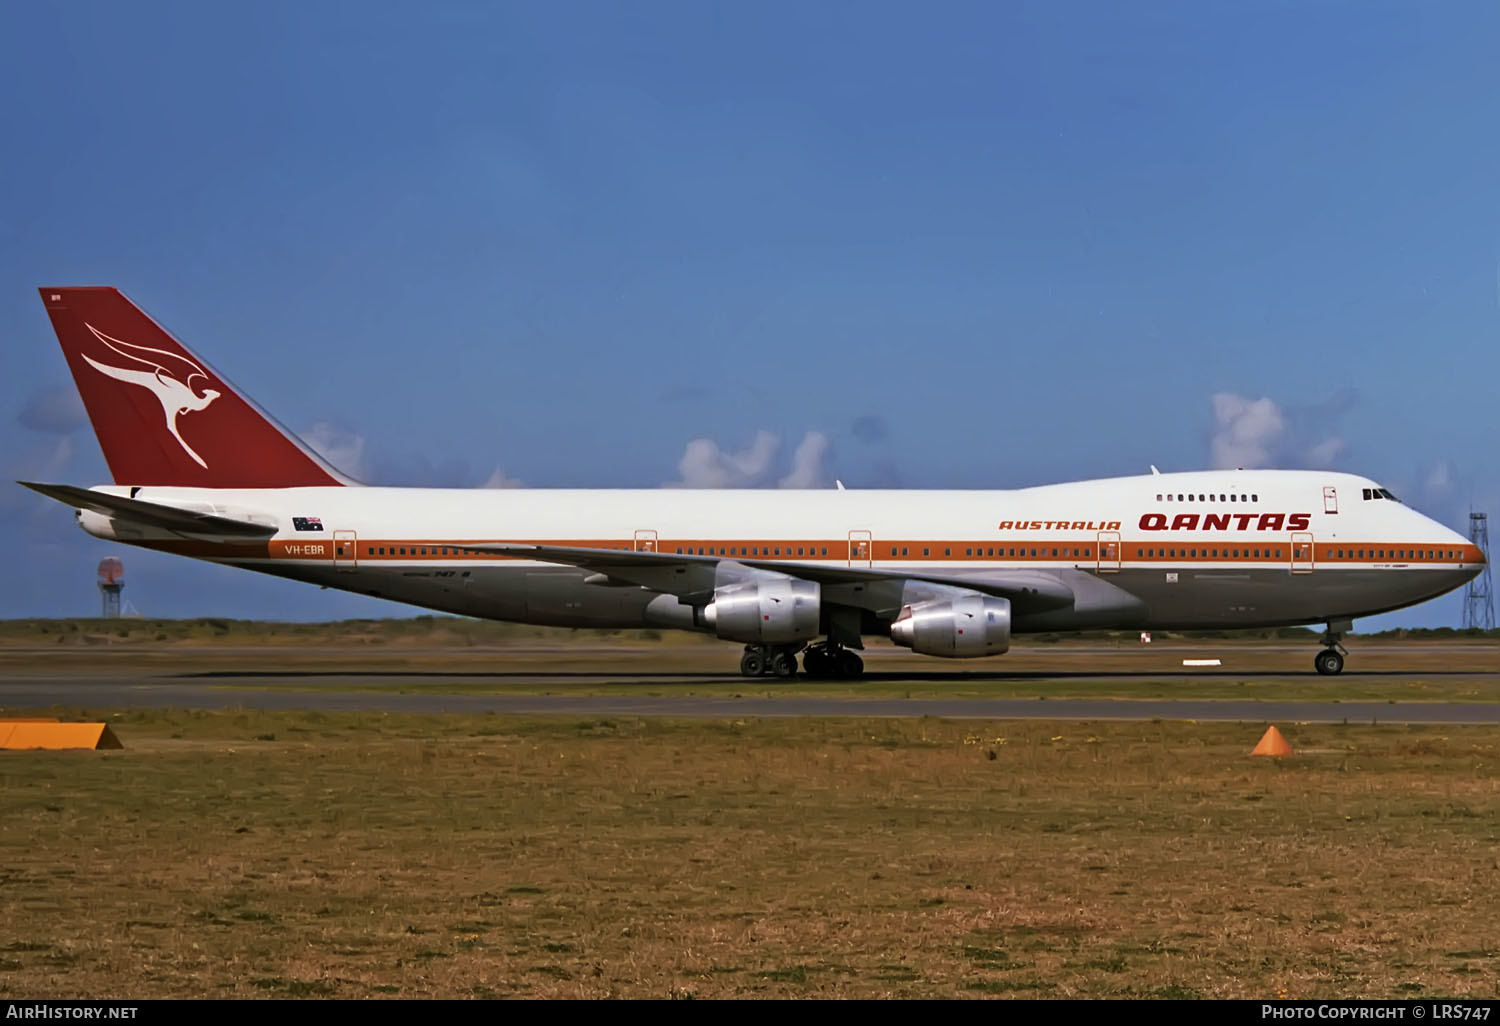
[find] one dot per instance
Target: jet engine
(958, 628)
(769, 611)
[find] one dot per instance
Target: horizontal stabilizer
(152, 514)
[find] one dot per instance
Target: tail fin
(162, 415)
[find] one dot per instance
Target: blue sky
(608, 244)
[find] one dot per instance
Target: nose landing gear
(1330, 661)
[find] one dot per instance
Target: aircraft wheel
(815, 663)
(1329, 663)
(784, 665)
(851, 666)
(752, 664)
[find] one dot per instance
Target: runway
(300, 692)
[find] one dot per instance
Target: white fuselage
(1229, 548)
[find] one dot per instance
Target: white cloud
(807, 462)
(705, 465)
(340, 446)
(499, 480)
(1325, 454)
(1245, 431)
(1251, 433)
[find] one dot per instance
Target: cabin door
(1302, 553)
(1109, 552)
(861, 548)
(345, 550)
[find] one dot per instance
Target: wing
(692, 577)
(153, 514)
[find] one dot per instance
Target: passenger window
(948, 552)
(968, 552)
(926, 552)
(825, 550)
(801, 550)
(893, 550)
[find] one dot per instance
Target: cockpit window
(1385, 494)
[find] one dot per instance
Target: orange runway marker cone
(1272, 743)
(29, 734)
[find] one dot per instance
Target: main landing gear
(827, 661)
(822, 661)
(1330, 661)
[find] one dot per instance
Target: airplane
(200, 470)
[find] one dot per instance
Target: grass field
(265, 854)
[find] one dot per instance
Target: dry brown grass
(268, 854)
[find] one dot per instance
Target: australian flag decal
(307, 523)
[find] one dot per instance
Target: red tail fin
(162, 415)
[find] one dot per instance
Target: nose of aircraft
(1472, 562)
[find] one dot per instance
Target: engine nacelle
(772, 611)
(958, 628)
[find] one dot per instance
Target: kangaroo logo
(154, 369)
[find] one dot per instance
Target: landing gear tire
(784, 665)
(850, 666)
(752, 664)
(815, 663)
(826, 662)
(1329, 663)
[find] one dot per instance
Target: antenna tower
(111, 583)
(1479, 601)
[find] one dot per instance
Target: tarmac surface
(425, 693)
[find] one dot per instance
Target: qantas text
(1223, 522)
